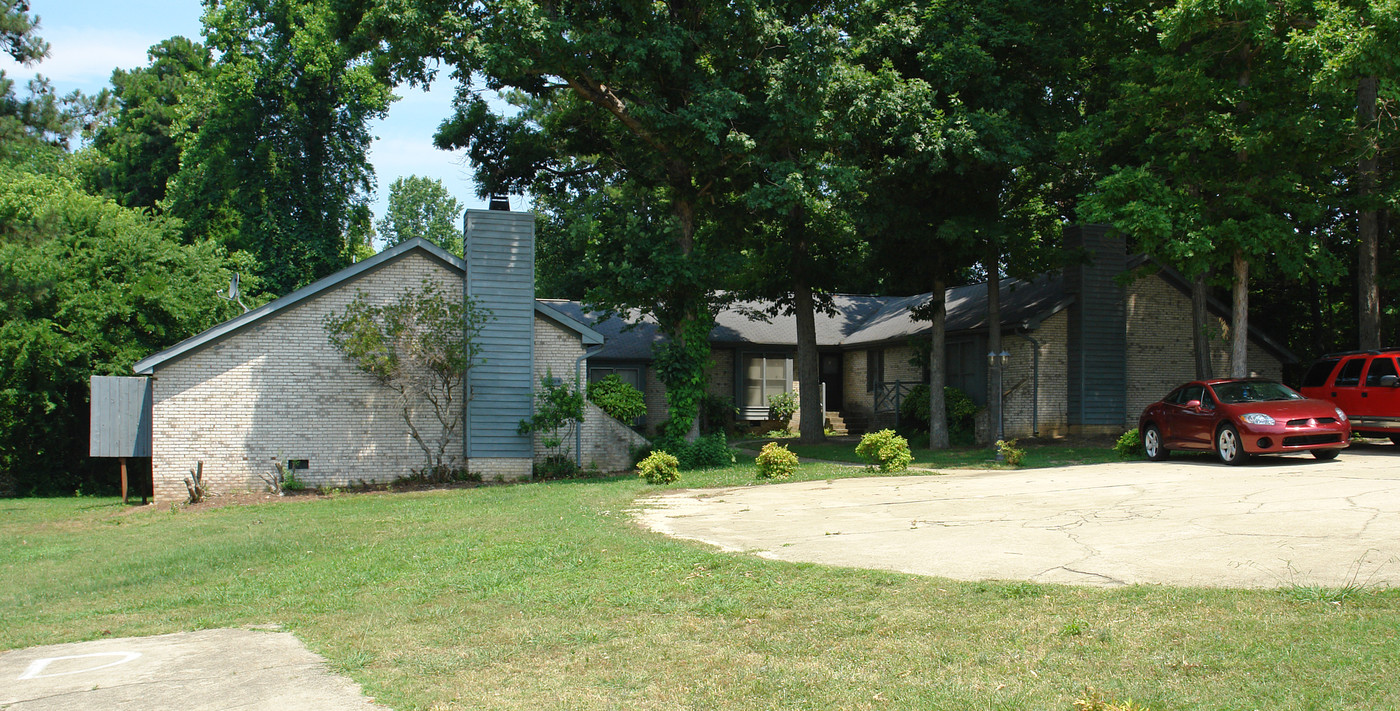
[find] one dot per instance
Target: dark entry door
(831, 379)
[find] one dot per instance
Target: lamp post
(997, 361)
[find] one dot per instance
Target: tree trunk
(684, 209)
(812, 424)
(1200, 315)
(1368, 299)
(1239, 318)
(994, 342)
(938, 370)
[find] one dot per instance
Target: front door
(832, 380)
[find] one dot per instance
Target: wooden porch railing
(890, 395)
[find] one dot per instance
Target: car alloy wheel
(1227, 445)
(1152, 442)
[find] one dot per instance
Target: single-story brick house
(268, 387)
(1087, 353)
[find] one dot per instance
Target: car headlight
(1341, 416)
(1256, 418)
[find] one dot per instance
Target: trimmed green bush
(775, 461)
(1129, 444)
(659, 468)
(618, 398)
(885, 450)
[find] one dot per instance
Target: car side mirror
(1390, 381)
(1193, 404)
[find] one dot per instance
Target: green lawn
(548, 596)
(956, 458)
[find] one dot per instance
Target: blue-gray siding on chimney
(1098, 340)
(501, 277)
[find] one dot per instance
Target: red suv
(1365, 384)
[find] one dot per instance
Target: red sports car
(1238, 418)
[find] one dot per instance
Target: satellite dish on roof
(233, 293)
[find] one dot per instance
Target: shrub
(659, 468)
(885, 450)
(1010, 453)
(961, 411)
(556, 466)
(618, 398)
(716, 413)
(708, 451)
(781, 406)
(1129, 444)
(775, 461)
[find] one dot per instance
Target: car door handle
(1365, 394)
(1334, 394)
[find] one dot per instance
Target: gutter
(1035, 377)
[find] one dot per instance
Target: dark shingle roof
(857, 320)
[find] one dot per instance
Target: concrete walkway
(212, 670)
(1277, 521)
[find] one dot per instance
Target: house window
(631, 376)
(965, 363)
(874, 368)
(765, 375)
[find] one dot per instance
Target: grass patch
(1037, 456)
(549, 596)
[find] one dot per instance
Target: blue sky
(88, 39)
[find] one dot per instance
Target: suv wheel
(1229, 447)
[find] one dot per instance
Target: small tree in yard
(557, 407)
(420, 346)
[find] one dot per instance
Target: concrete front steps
(841, 425)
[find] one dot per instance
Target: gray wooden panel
(501, 276)
(121, 417)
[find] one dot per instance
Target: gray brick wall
(1159, 345)
(1023, 414)
(277, 390)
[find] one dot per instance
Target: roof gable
(147, 365)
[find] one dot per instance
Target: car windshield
(1253, 391)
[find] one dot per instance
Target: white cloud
(83, 58)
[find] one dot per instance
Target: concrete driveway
(211, 670)
(1274, 522)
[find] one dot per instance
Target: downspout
(578, 383)
(1035, 378)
